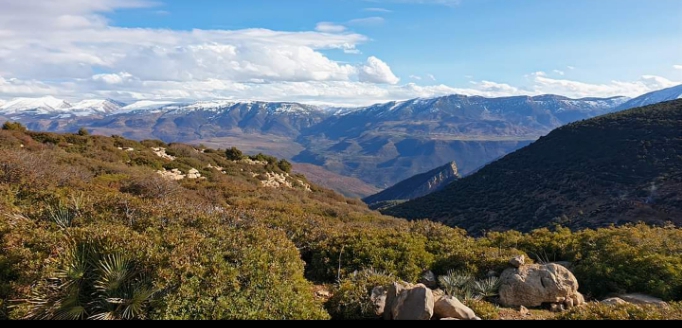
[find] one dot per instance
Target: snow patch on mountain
(37, 106)
(146, 105)
(654, 98)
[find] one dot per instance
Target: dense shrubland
(89, 230)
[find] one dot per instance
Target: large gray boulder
(641, 299)
(535, 284)
(451, 307)
(407, 302)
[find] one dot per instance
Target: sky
(336, 52)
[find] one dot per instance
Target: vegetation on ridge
(226, 247)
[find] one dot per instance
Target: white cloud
(367, 21)
(68, 49)
(570, 67)
(677, 66)
(377, 71)
(431, 77)
(415, 77)
(647, 83)
(378, 10)
(327, 27)
(560, 72)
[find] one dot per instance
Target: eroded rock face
(451, 307)
(378, 299)
(533, 285)
(641, 299)
(408, 302)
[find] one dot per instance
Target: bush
(351, 297)
(234, 154)
(284, 165)
(83, 132)
(483, 309)
(599, 311)
(14, 126)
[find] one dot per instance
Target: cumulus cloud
(69, 49)
(647, 83)
(377, 71)
(677, 66)
(328, 27)
(560, 72)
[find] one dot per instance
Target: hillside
(347, 186)
(381, 144)
(95, 227)
(614, 169)
(417, 186)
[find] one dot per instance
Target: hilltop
(618, 168)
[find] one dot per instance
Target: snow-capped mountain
(59, 108)
(36, 106)
(654, 98)
(104, 106)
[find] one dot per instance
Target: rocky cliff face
(417, 186)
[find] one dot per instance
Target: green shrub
(234, 154)
(483, 309)
(599, 311)
(83, 132)
(14, 126)
(284, 165)
(351, 297)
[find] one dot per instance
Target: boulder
(391, 297)
(518, 261)
(428, 279)
(535, 284)
(451, 307)
(437, 294)
(406, 302)
(378, 299)
(614, 301)
(641, 299)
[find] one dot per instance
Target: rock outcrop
(641, 299)
(538, 284)
(451, 307)
(407, 302)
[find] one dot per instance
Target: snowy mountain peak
(103, 106)
(654, 97)
(43, 105)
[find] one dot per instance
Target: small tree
(234, 154)
(14, 126)
(83, 132)
(284, 165)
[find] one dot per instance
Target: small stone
(518, 261)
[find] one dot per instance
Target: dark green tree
(234, 154)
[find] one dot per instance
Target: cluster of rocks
(177, 175)
(405, 301)
(120, 148)
(281, 180)
(521, 286)
(161, 152)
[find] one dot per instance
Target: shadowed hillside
(617, 168)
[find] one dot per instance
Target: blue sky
(339, 51)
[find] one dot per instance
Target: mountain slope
(391, 142)
(417, 186)
(654, 98)
(613, 169)
(347, 186)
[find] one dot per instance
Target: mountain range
(381, 144)
(614, 169)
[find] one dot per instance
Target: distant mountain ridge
(381, 144)
(417, 186)
(613, 169)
